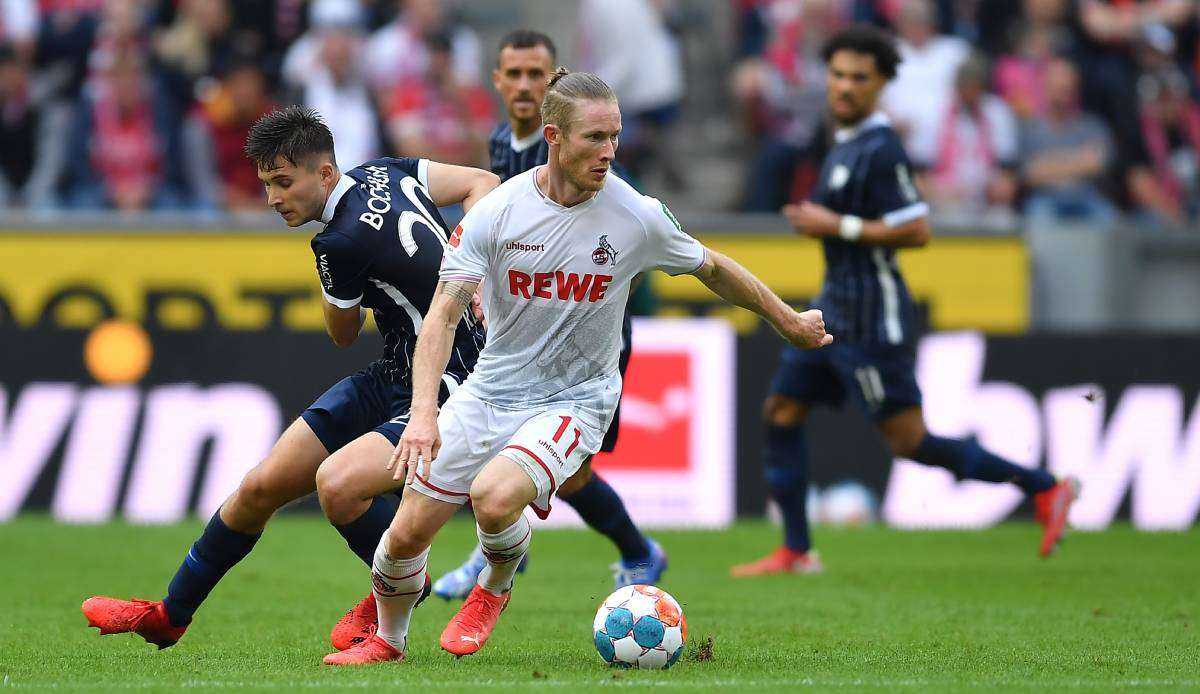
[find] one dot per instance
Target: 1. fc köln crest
(604, 254)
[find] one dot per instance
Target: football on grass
(640, 626)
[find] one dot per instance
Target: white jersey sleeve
(669, 247)
(472, 245)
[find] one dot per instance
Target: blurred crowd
(144, 104)
(1061, 110)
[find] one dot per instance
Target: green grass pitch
(913, 611)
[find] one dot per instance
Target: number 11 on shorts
(562, 428)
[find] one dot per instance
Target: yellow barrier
(247, 280)
(222, 270)
(977, 283)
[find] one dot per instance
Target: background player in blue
(524, 63)
(865, 206)
(380, 249)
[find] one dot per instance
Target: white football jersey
(555, 283)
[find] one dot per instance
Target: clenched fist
(806, 330)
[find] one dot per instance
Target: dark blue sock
(787, 480)
(215, 552)
(968, 460)
(362, 534)
(600, 507)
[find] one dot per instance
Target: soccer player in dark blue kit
(380, 249)
(863, 209)
(524, 63)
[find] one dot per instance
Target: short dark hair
(868, 40)
(527, 38)
(296, 133)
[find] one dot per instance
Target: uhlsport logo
(604, 253)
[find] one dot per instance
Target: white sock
(397, 584)
(503, 552)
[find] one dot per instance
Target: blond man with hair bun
(554, 250)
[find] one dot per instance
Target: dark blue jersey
(382, 248)
(511, 156)
(866, 174)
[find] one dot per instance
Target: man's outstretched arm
(737, 285)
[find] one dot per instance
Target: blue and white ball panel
(628, 630)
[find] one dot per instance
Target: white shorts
(549, 443)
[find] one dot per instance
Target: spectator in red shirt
(438, 116)
(126, 150)
(217, 133)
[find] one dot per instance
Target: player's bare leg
(399, 578)
(787, 479)
(594, 500)
(286, 474)
(908, 438)
(351, 484)
(350, 479)
(499, 496)
(458, 584)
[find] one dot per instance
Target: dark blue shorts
(369, 401)
(363, 402)
(879, 378)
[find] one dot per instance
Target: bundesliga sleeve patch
(670, 216)
(456, 236)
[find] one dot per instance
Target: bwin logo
(1147, 449)
(155, 438)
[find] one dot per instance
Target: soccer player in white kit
(554, 249)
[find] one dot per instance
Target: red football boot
(470, 628)
(357, 625)
(1050, 509)
(142, 617)
(360, 623)
(781, 561)
(372, 650)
